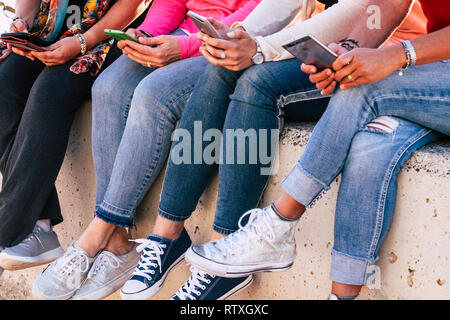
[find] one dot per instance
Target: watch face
(258, 58)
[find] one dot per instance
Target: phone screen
(311, 51)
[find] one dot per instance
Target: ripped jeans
(369, 161)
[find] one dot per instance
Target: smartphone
(25, 41)
(120, 35)
(204, 25)
(311, 51)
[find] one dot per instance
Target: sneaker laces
(150, 258)
(72, 260)
(105, 258)
(196, 280)
(259, 223)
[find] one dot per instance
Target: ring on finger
(350, 78)
(223, 55)
(149, 64)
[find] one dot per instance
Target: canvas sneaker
(159, 256)
(62, 278)
(204, 286)
(40, 247)
(108, 274)
(265, 243)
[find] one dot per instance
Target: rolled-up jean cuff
(302, 186)
(172, 217)
(348, 270)
(114, 218)
(222, 230)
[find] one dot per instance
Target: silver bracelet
(411, 57)
(83, 43)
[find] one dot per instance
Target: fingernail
(230, 34)
(205, 38)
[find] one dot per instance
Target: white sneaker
(107, 275)
(265, 243)
(61, 279)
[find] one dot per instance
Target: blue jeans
(341, 137)
(135, 110)
(367, 195)
(256, 99)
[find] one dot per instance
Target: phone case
(22, 44)
(25, 41)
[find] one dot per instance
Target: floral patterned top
(46, 24)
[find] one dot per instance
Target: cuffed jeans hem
(169, 216)
(302, 186)
(348, 270)
(222, 230)
(114, 219)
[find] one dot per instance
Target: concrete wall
(414, 259)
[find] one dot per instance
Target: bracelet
(83, 43)
(349, 44)
(410, 53)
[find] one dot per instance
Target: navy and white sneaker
(204, 286)
(159, 256)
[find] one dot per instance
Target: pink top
(165, 16)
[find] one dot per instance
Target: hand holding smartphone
(205, 26)
(25, 41)
(311, 51)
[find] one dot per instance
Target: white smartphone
(204, 25)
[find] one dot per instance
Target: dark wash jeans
(260, 97)
(37, 108)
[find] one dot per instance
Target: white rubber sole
(150, 292)
(36, 294)
(13, 263)
(230, 271)
(244, 284)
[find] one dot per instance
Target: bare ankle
(119, 243)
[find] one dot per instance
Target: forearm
(271, 16)
(121, 14)
(390, 14)
(27, 10)
(329, 26)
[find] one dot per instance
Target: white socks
(44, 225)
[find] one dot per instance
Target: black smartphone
(311, 51)
(205, 26)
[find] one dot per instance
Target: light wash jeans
(135, 110)
(421, 95)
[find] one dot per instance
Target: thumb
(155, 41)
(238, 34)
(343, 61)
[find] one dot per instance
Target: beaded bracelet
(83, 43)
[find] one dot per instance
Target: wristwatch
(258, 58)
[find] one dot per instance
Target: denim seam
(222, 230)
(368, 260)
(171, 216)
(387, 180)
(111, 221)
(116, 210)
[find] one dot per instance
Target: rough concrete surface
(414, 259)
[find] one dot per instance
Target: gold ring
(149, 64)
(350, 78)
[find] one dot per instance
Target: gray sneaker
(61, 279)
(108, 274)
(40, 247)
